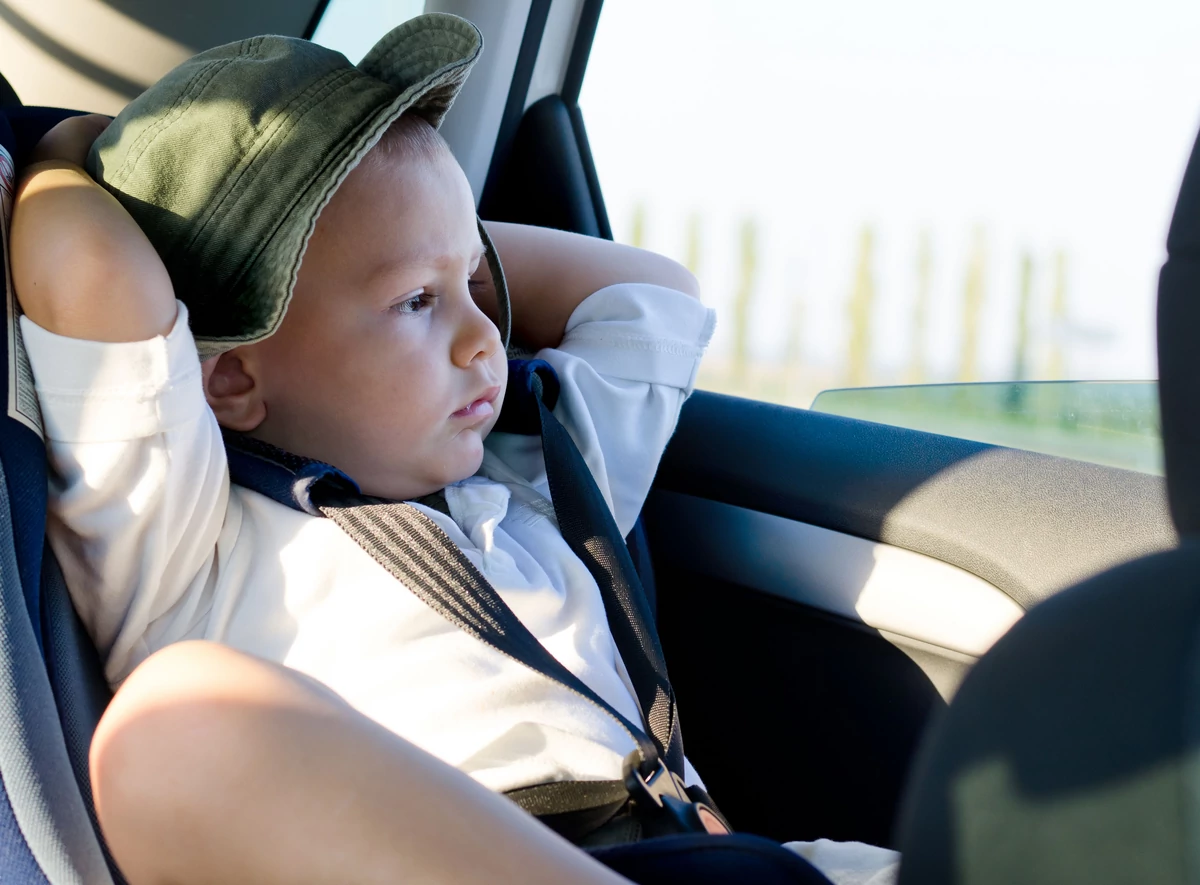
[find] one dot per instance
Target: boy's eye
(414, 303)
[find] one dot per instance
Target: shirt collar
(280, 475)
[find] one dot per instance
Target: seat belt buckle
(661, 803)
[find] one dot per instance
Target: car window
(1107, 422)
(352, 26)
(878, 193)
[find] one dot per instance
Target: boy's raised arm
(81, 267)
(550, 272)
(140, 488)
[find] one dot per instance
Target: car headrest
(1179, 355)
(1071, 752)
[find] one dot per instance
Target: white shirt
(158, 546)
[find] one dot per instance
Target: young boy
(323, 246)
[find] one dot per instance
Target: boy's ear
(233, 391)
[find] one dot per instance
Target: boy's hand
(70, 140)
(81, 266)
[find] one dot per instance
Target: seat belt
(588, 526)
(416, 551)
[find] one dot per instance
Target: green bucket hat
(227, 161)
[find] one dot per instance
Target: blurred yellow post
(1056, 367)
(973, 293)
(693, 244)
(862, 298)
(920, 316)
(1024, 301)
(793, 348)
(742, 298)
(637, 229)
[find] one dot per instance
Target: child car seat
(1071, 753)
(51, 686)
(53, 691)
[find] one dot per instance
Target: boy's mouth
(481, 407)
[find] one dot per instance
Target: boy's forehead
(385, 221)
(417, 206)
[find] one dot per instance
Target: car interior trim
(473, 123)
(581, 50)
(554, 56)
(885, 587)
(314, 20)
(514, 106)
(1030, 524)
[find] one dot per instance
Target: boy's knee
(189, 721)
(146, 733)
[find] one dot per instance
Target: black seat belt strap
(415, 550)
(587, 524)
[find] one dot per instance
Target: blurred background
(871, 192)
(875, 192)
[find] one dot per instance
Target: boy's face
(384, 366)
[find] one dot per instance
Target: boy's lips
(481, 407)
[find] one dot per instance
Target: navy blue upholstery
(21, 450)
(17, 863)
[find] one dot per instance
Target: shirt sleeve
(625, 366)
(139, 485)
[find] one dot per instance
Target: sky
(1046, 127)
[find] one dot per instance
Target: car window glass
(877, 193)
(1107, 422)
(352, 26)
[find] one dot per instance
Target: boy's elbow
(663, 271)
(675, 276)
(688, 284)
(81, 267)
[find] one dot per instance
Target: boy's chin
(462, 458)
(465, 460)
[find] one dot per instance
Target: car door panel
(883, 586)
(824, 584)
(1028, 523)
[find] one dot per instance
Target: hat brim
(427, 59)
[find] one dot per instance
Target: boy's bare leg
(212, 766)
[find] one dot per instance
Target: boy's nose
(477, 338)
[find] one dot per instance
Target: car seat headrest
(1178, 354)
(1071, 752)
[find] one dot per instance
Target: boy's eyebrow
(424, 258)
